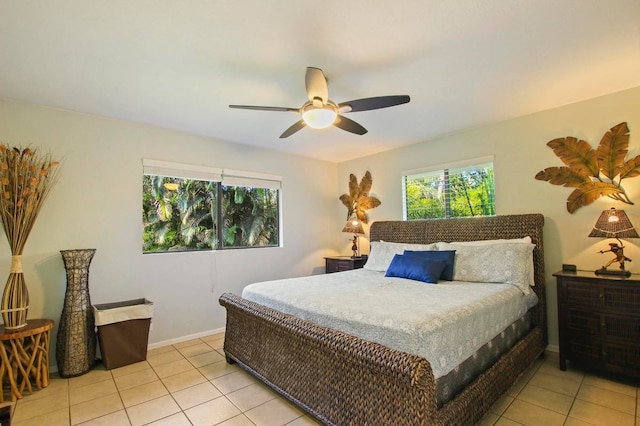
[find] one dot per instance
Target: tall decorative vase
(26, 178)
(15, 297)
(76, 341)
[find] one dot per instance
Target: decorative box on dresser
(343, 263)
(599, 321)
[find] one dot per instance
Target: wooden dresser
(599, 321)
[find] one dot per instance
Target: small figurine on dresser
(618, 250)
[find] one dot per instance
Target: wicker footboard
(338, 378)
(343, 380)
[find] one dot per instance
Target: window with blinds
(452, 190)
(191, 208)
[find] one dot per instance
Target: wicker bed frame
(343, 380)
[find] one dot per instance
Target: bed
(343, 379)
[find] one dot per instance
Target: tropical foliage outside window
(190, 214)
(450, 192)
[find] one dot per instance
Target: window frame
(222, 178)
(444, 168)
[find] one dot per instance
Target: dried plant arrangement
(593, 172)
(358, 200)
(27, 177)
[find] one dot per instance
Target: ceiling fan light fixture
(319, 118)
(320, 112)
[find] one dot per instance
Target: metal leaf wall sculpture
(593, 172)
(358, 200)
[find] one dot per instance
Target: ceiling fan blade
(294, 128)
(264, 108)
(316, 84)
(378, 102)
(349, 125)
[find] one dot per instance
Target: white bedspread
(445, 323)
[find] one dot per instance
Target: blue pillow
(447, 255)
(415, 268)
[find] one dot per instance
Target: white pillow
(509, 263)
(382, 253)
(525, 240)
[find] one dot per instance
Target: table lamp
(355, 227)
(614, 224)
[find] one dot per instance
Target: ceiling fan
(320, 112)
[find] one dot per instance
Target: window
(453, 190)
(189, 208)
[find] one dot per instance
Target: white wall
(520, 151)
(97, 204)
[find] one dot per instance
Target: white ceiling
(179, 64)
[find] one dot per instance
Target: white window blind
(180, 170)
(233, 177)
(230, 177)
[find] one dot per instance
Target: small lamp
(355, 227)
(614, 224)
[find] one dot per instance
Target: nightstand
(343, 263)
(599, 321)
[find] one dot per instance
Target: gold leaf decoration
(346, 200)
(354, 188)
(368, 203)
(358, 200)
(588, 193)
(594, 173)
(564, 176)
(612, 150)
(631, 168)
(365, 184)
(577, 154)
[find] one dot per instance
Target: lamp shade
(613, 224)
(353, 226)
(319, 118)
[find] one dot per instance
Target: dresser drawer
(602, 354)
(339, 265)
(589, 293)
(598, 323)
(343, 263)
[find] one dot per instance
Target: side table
(598, 321)
(24, 354)
(343, 263)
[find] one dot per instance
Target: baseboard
(553, 348)
(53, 368)
(185, 338)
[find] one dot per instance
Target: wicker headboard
(472, 229)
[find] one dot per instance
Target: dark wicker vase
(76, 342)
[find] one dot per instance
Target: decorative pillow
(382, 252)
(509, 263)
(447, 255)
(415, 268)
(525, 240)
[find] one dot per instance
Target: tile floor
(191, 384)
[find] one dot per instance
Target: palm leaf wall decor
(358, 200)
(593, 172)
